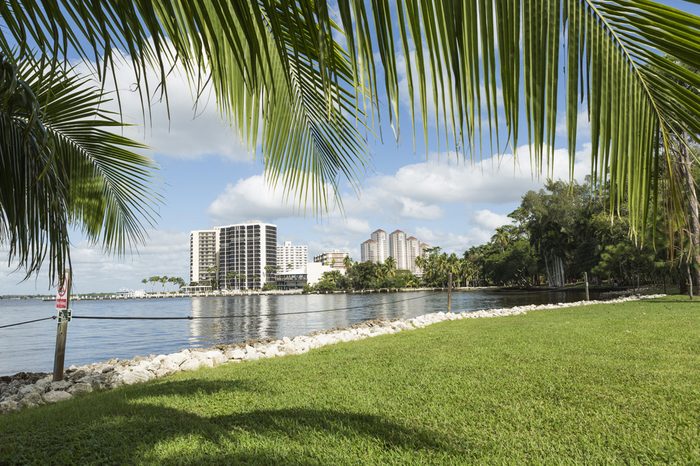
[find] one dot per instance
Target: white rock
(179, 358)
(31, 399)
(251, 353)
(154, 365)
(59, 385)
(27, 389)
(168, 367)
(57, 395)
(236, 353)
(191, 364)
(217, 357)
(96, 381)
(136, 375)
(8, 406)
(80, 388)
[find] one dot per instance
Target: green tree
(330, 281)
(213, 273)
(404, 279)
(271, 271)
(347, 262)
(231, 279)
(365, 276)
(153, 280)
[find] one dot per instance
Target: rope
(27, 322)
(250, 315)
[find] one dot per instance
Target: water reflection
(228, 320)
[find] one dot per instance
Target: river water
(235, 319)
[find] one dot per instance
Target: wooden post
(63, 308)
(585, 278)
(449, 292)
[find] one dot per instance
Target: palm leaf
(63, 166)
(278, 61)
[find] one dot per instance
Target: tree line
(163, 281)
(565, 230)
(557, 234)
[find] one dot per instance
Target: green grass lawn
(598, 384)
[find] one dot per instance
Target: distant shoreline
(222, 294)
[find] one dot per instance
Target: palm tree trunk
(546, 268)
(694, 219)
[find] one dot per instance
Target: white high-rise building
(397, 249)
(292, 257)
(247, 252)
(412, 252)
(368, 251)
(203, 256)
(382, 244)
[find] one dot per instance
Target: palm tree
(347, 263)
(232, 276)
(154, 279)
(62, 165)
(279, 63)
(390, 267)
(213, 272)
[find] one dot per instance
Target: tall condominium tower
(246, 253)
(203, 251)
(292, 257)
(412, 252)
(368, 251)
(382, 244)
(397, 249)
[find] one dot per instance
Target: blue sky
(207, 178)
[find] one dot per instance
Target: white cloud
(423, 190)
(411, 208)
(252, 198)
(339, 225)
(490, 220)
(165, 253)
(448, 241)
(187, 132)
(583, 126)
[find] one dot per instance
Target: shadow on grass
(128, 424)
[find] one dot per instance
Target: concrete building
(296, 279)
(335, 259)
(203, 256)
(291, 257)
(397, 249)
(291, 279)
(412, 252)
(368, 251)
(382, 244)
(247, 251)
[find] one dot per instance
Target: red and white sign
(62, 294)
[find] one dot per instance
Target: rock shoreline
(26, 390)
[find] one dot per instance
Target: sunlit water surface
(30, 347)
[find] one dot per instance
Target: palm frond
(630, 61)
(279, 59)
(62, 166)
